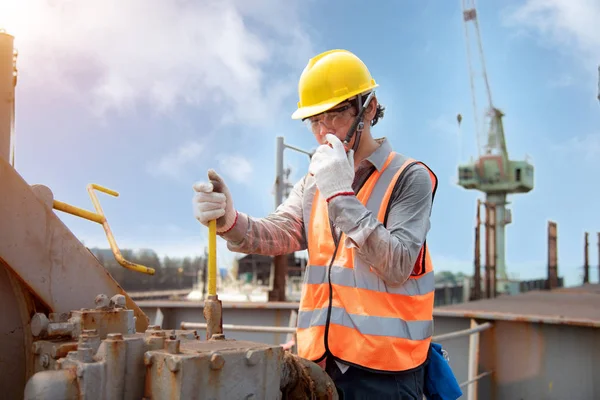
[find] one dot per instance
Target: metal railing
(290, 329)
(472, 373)
(473, 332)
(241, 328)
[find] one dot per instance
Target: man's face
(336, 121)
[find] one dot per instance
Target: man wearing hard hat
(362, 211)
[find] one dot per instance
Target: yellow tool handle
(212, 258)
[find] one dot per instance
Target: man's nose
(322, 130)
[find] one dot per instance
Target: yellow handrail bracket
(99, 218)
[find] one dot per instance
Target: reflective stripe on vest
(368, 325)
(365, 322)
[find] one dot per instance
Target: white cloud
(570, 24)
(235, 167)
(175, 163)
(115, 55)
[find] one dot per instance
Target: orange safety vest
(346, 310)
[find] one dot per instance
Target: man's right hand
(212, 200)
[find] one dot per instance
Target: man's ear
(371, 109)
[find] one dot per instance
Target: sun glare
(20, 18)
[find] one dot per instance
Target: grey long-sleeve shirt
(391, 251)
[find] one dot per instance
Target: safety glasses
(335, 118)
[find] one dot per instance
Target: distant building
(260, 266)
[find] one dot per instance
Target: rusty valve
(213, 313)
(41, 326)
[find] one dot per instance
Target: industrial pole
(491, 253)
(598, 83)
(8, 81)
(552, 255)
(501, 219)
(279, 261)
(477, 259)
(586, 261)
(487, 250)
(279, 172)
(494, 249)
(281, 185)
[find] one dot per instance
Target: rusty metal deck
(579, 306)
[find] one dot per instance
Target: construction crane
(493, 173)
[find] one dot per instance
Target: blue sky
(144, 96)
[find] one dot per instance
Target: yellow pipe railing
(99, 218)
(80, 212)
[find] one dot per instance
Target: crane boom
(496, 143)
(470, 14)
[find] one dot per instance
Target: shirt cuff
(236, 235)
(352, 218)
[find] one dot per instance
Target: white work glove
(212, 200)
(332, 168)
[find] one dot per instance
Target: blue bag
(440, 382)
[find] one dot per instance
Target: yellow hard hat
(329, 79)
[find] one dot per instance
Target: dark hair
(378, 114)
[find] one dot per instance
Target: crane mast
(493, 173)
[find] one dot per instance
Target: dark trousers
(357, 383)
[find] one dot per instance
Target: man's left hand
(333, 168)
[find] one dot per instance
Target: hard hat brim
(305, 112)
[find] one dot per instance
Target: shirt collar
(380, 155)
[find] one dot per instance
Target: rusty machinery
(97, 354)
(69, 331)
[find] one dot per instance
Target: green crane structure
(493, 173)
